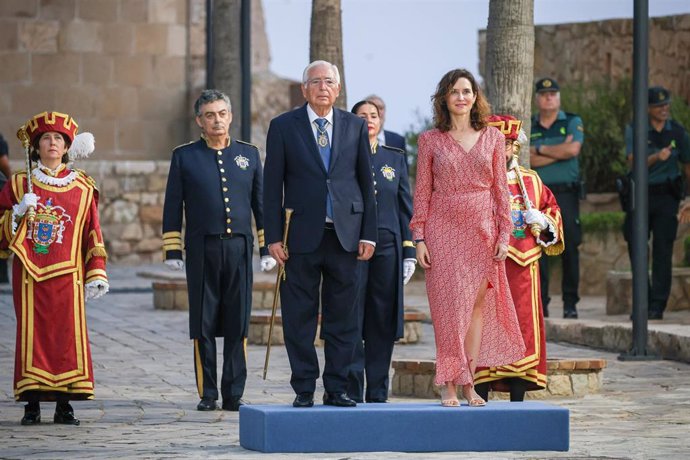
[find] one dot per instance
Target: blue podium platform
(499, 426)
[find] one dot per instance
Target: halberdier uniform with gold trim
(55, 257)
(522, 270)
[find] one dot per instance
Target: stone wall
(602, 50)
(127, 70)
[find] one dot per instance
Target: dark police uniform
(665, 193)
(563, 178)
(380, 305)
(218, 190)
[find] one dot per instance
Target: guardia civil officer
(217, 181)
(668, 147)
(555, 145)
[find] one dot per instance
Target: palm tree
(510, 60)
(326, 39)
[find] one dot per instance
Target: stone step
(565, 378)
(499, 426)
(619, 291)
(260, 321)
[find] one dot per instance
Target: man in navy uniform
(317, 163)
(668, 146)
(556, 140)
(217, 181)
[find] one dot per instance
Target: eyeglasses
(316, 82)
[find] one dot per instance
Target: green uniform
(566, 124)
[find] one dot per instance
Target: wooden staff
(24, 138)
(276, 290)
(534, 228)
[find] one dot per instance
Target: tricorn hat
(81, 145)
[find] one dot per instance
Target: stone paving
(146, 397)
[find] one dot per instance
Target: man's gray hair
(375, 98)
(334, 69)
(210, 95)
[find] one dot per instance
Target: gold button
(219, 152)
(227, 209)
(222, 170)
(228, 230)
(225, 189)
(227, 199)
(220, 162)
(223, 179)
(228, 220)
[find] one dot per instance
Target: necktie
(325, 150)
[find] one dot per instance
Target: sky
(400, 49)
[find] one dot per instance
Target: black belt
(329, 226)
(560, 188)
(659, 189)
(222, 236)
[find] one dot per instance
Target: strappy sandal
(446, 400)
(474, 400)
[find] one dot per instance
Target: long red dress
(55, 257)
(461, 210)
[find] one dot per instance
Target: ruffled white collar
(45, 175)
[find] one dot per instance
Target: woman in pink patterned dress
(461, 225)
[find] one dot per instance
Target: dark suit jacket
(295, 177)
(394, 140)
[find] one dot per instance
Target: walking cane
(24, 138)
(276, 290)
(534, 228)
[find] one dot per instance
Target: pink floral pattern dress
(461, 210)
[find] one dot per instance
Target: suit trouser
(300, 310)
(663, 225)
(569, 202)
(224, 286)
(378, 308)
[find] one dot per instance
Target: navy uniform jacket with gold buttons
(218, 190)
(394, 209)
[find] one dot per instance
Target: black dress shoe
(655, 315)
(64, 415)
(570, 314)
(207, 404)
(233, 404)
(32, 415)
(303, 400)
(338, 400)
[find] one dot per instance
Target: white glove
(267, 263)
(409, 266)
(535, 217)
(96, 289)
(29, 200)
(174, 264)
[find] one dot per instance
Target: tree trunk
(227, 48)
(326, 39)
(510, 61)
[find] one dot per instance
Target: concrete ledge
(499, 426)
(665, 340)
(619, 291)
(259, 326)
(565, 378)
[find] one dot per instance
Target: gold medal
(323, 140)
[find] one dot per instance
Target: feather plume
(82, 146)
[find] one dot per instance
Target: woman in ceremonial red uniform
(461, 225)
(536, 229)
(51, 225)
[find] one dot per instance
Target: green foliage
(602, 222)
(605, 110)
(411, 135)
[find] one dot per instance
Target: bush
(602, 222)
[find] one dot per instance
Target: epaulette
(528, 172)
(90, 180)
(395, 149)
(247, 143)
(182, 145)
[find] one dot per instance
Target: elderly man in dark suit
(216, 183)
(317, 163)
